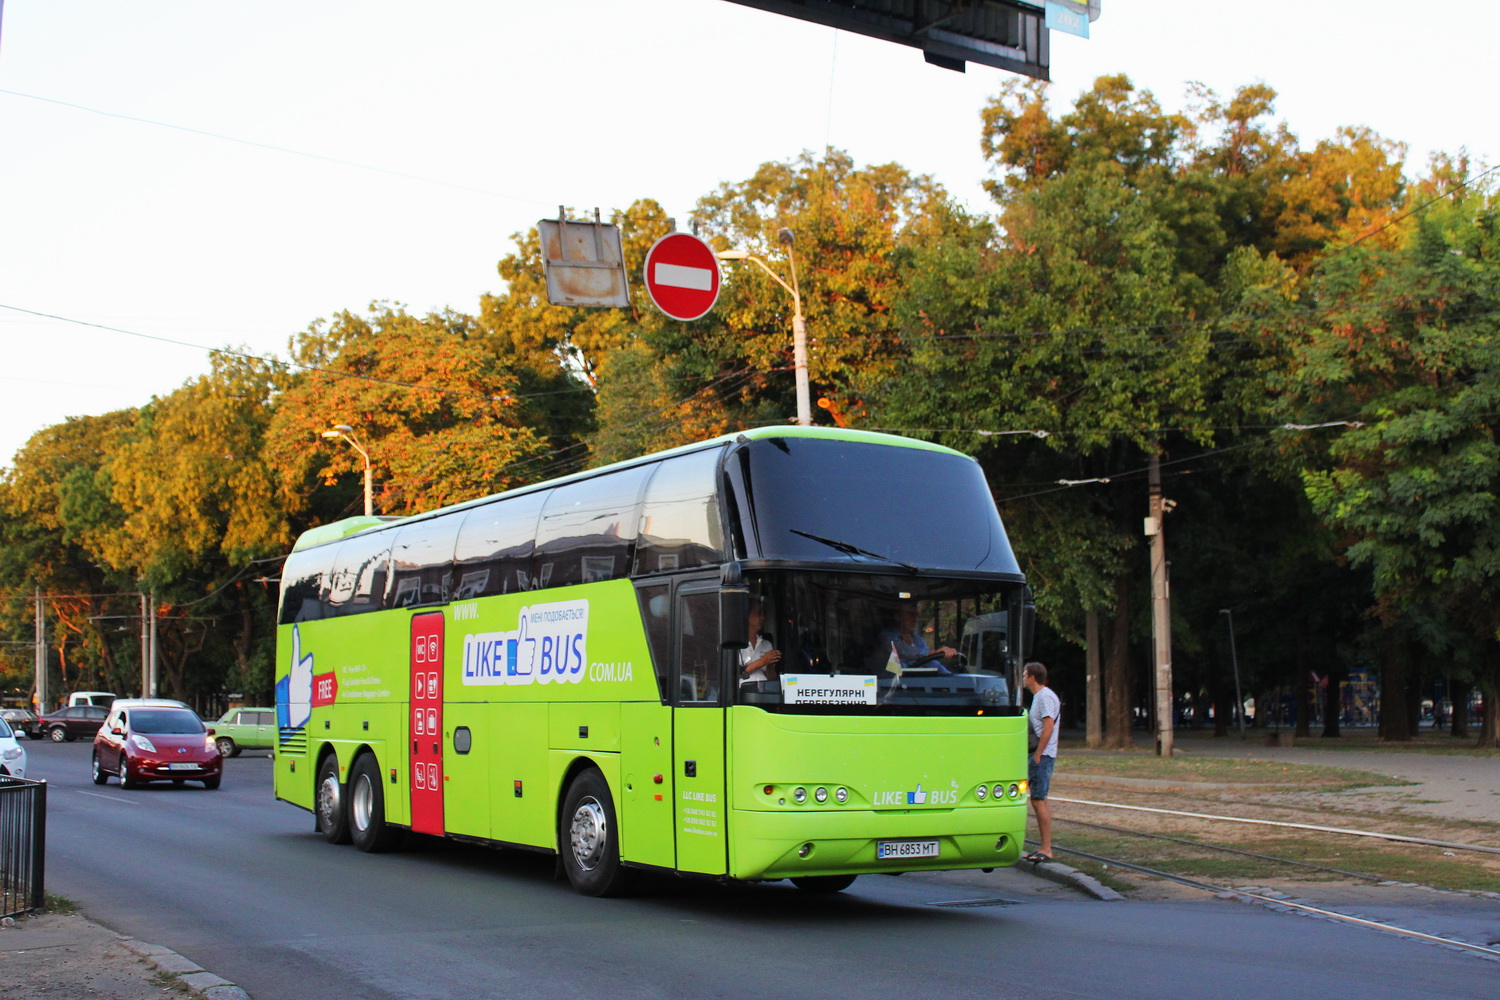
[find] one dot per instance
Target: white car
(12, 754)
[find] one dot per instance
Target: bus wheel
(367, 825)
(824, 883)
(333, 818)
(588, 840)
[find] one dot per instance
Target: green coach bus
(572, 668)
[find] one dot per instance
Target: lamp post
(345, 431)
(799, 324)
(1239, 700)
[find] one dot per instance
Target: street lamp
(345, 431)
(1239, 700)
(799, 324)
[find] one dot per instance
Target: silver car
(12, 754)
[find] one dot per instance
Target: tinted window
(495, 546)
(164, 722)
(421, 562)
(304, 584)
(680, 525)
(5, 728)
(358, 580)
(656, 609)
(847, 502)
(698, 647)
(587, 529)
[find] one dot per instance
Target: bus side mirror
(734, 617)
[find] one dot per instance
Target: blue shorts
(1039, 775)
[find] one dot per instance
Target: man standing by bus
(1045, 709)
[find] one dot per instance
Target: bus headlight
(982, 793)
(1000, 790)
(841, 795)
(799, 795)
(821, 795)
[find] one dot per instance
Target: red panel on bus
(427, 723)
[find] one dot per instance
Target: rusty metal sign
(584, 262)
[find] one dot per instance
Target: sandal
(1037, 857)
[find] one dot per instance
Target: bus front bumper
(776, 844)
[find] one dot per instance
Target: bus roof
(336, 530)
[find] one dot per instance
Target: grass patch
(1430, 866)
(1219, 771)
(169, 981)
(53, 903)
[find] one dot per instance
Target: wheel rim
(226, 747)
(361, 803)
(95, 766)
(588, 833)
(57, 735)
(124, 769)
(328, 801)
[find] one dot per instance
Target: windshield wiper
(855, 550)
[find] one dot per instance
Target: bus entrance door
(427, 723)
(698, 736)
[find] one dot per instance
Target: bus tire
(824, 883)
(328, 802)
(367, 825)
(588, 838)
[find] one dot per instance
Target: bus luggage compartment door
(426, 772)
(698, 736)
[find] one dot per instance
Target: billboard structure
(1006, 34)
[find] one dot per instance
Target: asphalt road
(242, 885)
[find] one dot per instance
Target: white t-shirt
(1044, 705)
(750, 654)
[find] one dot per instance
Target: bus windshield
(853, 643)
(822, 501)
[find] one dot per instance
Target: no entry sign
(682, 276)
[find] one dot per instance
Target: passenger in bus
(758, 660)
(905, 637)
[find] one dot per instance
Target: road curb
(1062, 874)
(192, 975)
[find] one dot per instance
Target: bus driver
(758, 660)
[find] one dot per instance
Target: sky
(180, 175)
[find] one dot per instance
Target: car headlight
(143, 742)
(13, 753)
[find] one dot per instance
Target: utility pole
(152, 658)
(145, 648)
(41, 655)
(1161, 608)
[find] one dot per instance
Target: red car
(148, 739)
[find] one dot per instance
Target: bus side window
(303, 580)
(656, 613)
(587, 530)
(422, 562)
(680, 525)
(359, 568)
(495, 545)
(699, 655)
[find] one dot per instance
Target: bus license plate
(906, 849)
(182, 767)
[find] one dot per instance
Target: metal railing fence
(23, 844)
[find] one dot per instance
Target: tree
(51, 500)
(1401, 341)
(436, 408)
